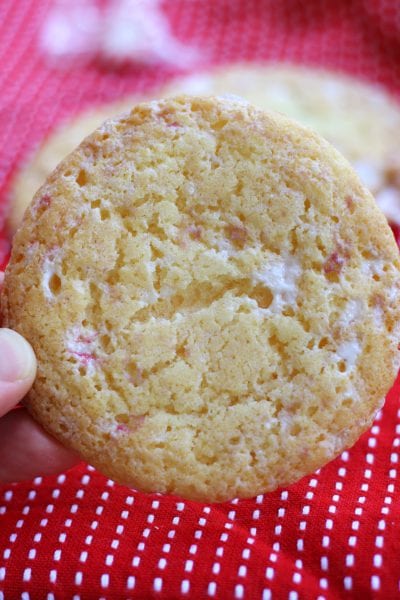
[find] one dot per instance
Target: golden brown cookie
(212, 296)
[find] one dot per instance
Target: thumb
(17, 368)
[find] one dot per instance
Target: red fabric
(333, 535)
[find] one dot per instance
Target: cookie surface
(212, 297)
(360, 119)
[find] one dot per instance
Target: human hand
(26, 450)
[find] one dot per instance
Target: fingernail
(17, 359)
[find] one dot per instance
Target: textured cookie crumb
(212, 296)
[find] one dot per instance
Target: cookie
(212, 296)
(65, 138)
(360, 119)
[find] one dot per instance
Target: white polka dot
(62, 537)
(171, 534)
(175, 521)
(193, 549)
(355, 525)
(219, 551)
(300, 545)
(242, 571)
(157, 584)
(49, 508)
(180, 506)
(120, 529)
(273, 557)
(166, 548)
(382, 525)
(94, 525)
(32, 553)
(136, 561)
(309, 495)
(20, 522)
(379, 541)
(377, 560)
(203, 521)
(198, 534)
(345, 456)
(358, 511)
(155, 504)
(267, 595)
(392, 473)
(162, 563)
(216, 568)
(105, 496)
(269, 573)
(68, 522)
(303, 525)
(212, 588)
(146, 532)
(124, 514)
(2, 573)
(83, 557)
(278, 529)
(61, 479)
(342, 472)
(78, 577)
(105, 580)
(223, 537)
(328, 524)
(296, 578)
(114, 544)
(367, 473)
(375, 582)
(57, 555)
(50, 597)
(352, 540)
(53, 575)
(284, 495)
(99, 510)
(130, 582)
(349, 560)
(256, 514)
(109, 560)
(246, 553)
(231, 515)
(339, 486)
(324, 563)
(323, 583)
(348, 583)
(239, 591)
(25, 596)
(293, 595)
(188, 566)
(185, 586)
(150, 518)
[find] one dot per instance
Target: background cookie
(360, 119)
(213, 300)
(67, 136)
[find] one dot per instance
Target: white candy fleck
(352, 312)
(349, 352)
(50, 268)
(280, 275)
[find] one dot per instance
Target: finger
(17, 368)
(27, 451)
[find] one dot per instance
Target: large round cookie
(212, 297)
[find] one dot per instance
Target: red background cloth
(333, 535)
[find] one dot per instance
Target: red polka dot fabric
(333, 535)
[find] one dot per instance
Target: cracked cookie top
(212, 296)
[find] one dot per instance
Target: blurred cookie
(361, 120)
(65, 138)
(213, 300)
